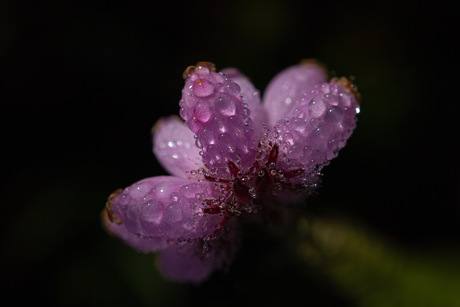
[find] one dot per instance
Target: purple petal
(212, 107)
(286, 87)
(251, 96)
(197, 260)
(143, 244)
(316, 128)
(174, 146)
(164, 210)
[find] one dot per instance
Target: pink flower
(233, 155)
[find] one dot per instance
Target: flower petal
(174, 146)
(251, 96)
(290, 84)
(197, 260)
(163, 210)
(316, 128)
(212, 107)
(143, 244)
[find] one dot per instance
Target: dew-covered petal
(251, 96)
(195, 261)
(212, 107)
(143, 244)
(286, 88)
(164, 209)
(175, 148)
(317, 127)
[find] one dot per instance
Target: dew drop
(316, 107)
(299, 124)
(183, 113)
(288, 138)
(198, 143)
(174, 196)
(152, 211)
(225, 106)
(232, 88)
(173, 213)
(219, 87)
(252, 193)
(325, 88)
(333, 115)
(344, 99)
(202, 88)
(331, 99)
(202, 112)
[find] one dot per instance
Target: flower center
(247, 189)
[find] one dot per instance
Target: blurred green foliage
(378, 273)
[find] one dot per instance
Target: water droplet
(288, 138)
(183, 113)
(226, 106)
(202, 88)
(345, 99)
(331, 99)
(202, 112)
(252, 193)
(152, 211)
(173, 213)
(232, 88)
(333, 115)
(246, 112)
(325, 88)
(316, 107)
(174, 196)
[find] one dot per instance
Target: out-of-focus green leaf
(377, 273)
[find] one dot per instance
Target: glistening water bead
(233, 155)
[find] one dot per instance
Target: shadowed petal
(290, 84)
(197, 260)
(174, 146)
(143, 244)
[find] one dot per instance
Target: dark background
(82, 83)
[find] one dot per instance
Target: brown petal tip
(350, 86)
(108, 207)
(314, 62)
(198, 65)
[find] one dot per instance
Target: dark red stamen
(293, 173)
(234, 170)
(213, 179)
(213, 210)
(273, 155)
